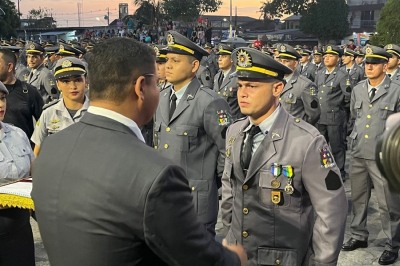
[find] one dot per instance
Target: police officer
(306, 68)
(355, 72)
(161, 59)
(40, 77)
(360, 58)
(318, 62)
(70, 74)
(372, 101)
(393, 64)
(279, 171)
(190, 125)
(299, 96)
(24, 101)
(334, 90)
(225, 83)
(210, 61)
(52, 57)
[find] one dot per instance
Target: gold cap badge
(243, 59)
(66, 64)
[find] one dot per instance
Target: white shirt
(15, 153)
(117, 117)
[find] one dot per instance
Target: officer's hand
(239, 250)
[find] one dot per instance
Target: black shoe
(354, 244)
(388, 257)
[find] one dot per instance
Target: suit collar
(105, 122)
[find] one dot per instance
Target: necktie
(172, 106)
(301, 68)
(220, 79)
(390, 75)
(372, 94)
(30, 77)
(326, 76)
(248, 147)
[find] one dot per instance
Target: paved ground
(367, 256)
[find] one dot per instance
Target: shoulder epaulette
(47, 105)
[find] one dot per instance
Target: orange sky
(65, 12)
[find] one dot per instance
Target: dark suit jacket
(103, 197)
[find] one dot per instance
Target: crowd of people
(130, 144)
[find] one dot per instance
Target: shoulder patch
(47, 105)
(327, 160)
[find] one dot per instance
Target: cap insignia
(390, 46)
(244, 59)
(220, 47)
(170, 39)
(66, 63)
(329, 48)
(32, 46)
(62, 47)
(157, 51)
(283, 48)
(368, 50)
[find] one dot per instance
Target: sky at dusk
(65, 12)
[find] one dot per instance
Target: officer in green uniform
(190, 125)
(372, 101)
(225, 82)
(40, 76)
(282, 195)
(299, 96)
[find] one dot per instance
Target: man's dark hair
(114, 64)
(8, 56)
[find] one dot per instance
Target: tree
(189, 10)
(41, 18)
(326, 19)
(9, 19)
(278, 8)
(388, 27)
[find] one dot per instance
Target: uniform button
(219, 92)
(245, 187)
(370, 106)
(185, 133)
(386, 107)
(322, 91)
(280, 99)
(155, 134)
(367, 126)
(277, 262)
(193, 188)
(245, 211)
(156, 147)
(166, 146)
(245, 234)
(168, 129)
(369, 116)
(366, 136)
(297, 120)
(320, 98)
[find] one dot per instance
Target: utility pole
(108, 16)
(230, 20)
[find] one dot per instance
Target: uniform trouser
(334, 135)
(362, 172)
(16, 238)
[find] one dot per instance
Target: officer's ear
(138, 88)
(277, 88)
(195, 65)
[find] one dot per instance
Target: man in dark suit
(102, 196)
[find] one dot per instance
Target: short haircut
(114, 64)
(8, 56)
